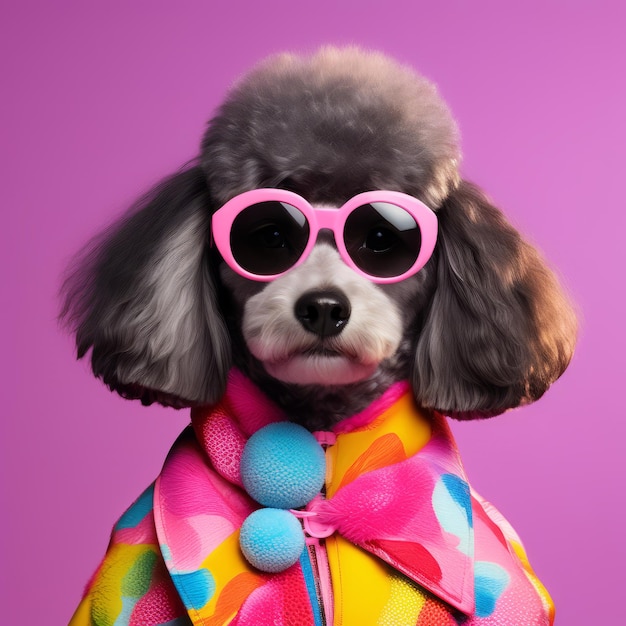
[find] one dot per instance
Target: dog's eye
(380, 239)
(268, 236)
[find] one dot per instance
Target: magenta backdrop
(101, 101)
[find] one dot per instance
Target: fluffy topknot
(331, 125)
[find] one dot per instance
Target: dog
(320, 264)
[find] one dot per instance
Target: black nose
(324, 313)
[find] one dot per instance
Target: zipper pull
(313, 526)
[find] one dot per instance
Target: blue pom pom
(283, 466)
(271, 539)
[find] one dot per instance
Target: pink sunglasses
(385, 236)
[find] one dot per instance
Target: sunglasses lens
(383, 239)
(268, 238)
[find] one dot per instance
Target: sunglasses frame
(320, 218)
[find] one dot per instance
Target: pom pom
(271, 539)
(283, 466)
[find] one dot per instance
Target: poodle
(321, 287)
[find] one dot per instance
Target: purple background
(98, 103)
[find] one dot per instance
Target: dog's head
(166, 307)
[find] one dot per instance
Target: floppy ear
(142, 297)
(499, 329)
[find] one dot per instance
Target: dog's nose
(324, 313)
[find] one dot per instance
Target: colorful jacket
(410, 543)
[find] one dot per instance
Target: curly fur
(333, 125)
(482, 328)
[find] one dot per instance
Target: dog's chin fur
(320, 406)
(324, 392)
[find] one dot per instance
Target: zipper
(321, 576)
(315, 534)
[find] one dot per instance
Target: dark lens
(383, 239)
(269, 237)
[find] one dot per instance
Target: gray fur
(483, 327)
(498, 329)
(272, 331)
(333, 125)
(142, 298)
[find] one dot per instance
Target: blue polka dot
(196, 588)
(141, 507)
(490, 581)
(166, 552)
(459, 490)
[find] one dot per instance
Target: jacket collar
(397, 489)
